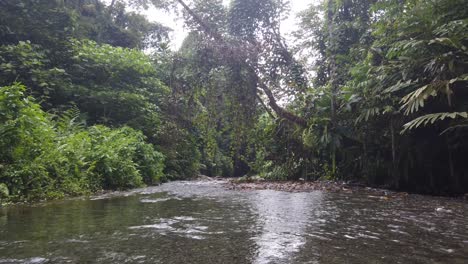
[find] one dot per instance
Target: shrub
(42, 158)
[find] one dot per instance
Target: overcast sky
(179, 32)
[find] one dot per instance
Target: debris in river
(251, 183)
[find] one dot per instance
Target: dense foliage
(46, 157)
(385, 103)
(92, 98)
(82, 108)
(394, 75)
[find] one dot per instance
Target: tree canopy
(370, 91)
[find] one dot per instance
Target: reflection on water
(200, 222)
(282, 220)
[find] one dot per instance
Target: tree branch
(281, 112)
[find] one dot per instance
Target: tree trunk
(394, 165)
(332, 82)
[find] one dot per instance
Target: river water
(201, 222)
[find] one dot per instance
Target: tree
(248, 54)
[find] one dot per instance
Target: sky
(173, 21)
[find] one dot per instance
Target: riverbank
(255, 183)
(309, 186)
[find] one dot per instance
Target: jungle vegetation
(371, 91)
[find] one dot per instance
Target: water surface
(201, 222)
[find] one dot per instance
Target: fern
(431, 119)
(70, 120)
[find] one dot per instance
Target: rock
(442, 210)
(204, 178)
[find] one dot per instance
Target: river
(202, 222)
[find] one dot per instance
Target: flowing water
(201, 222)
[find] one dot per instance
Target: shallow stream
(202, 222)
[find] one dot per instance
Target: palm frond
(431, 119)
